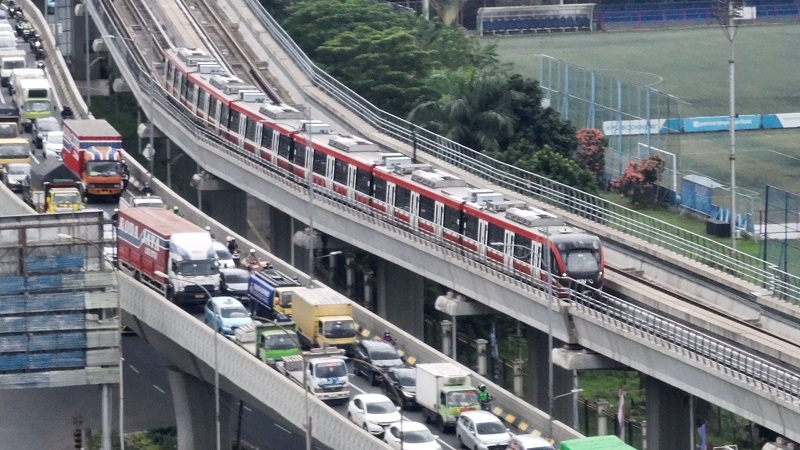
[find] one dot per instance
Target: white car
(529, 442)
(224, 257)
(373, 412)
(481, 430)
(408, 435)
(147, 201)
(53, 143)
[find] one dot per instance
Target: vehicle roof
(372, 398)
(226, 301)
(373, 343)
(410, 425)
(47, 119)
(92, 127)
(402, 369)
(236, 270)
(481, 416)
(531, 440)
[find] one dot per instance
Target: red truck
(93, 151)
(151, 240)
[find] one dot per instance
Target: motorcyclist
(252, 258)
(115, 217)
(483, 396)
(387, 337)
(147, 190)
(233, 247)
(208, 229)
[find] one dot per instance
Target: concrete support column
(667, 416)
(602, 417)
(446, 328)
(538, 365)
(399, 297)
(644, 435)
(480, 344)
(518, 378)
(281, 230)
(194, 412)
(369, 289)
(350, 273)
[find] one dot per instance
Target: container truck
(444, 391)
(151, 240)
(269, 342)
(270, 293)
(323, 317)
(93, 150)
(59, 187)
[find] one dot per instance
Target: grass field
(692, 64)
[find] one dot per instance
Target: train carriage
(506, 233)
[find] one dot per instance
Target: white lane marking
(159, 389)
(248, 409)
(783, 154)
(445, 444)
(133, 368)
(33, 156)
(284, 429)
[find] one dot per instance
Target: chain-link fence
(631, 116)
(779, 224)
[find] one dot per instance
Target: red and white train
(421, 197)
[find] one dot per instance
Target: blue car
(225, 314)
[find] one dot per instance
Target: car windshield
(55, 138)
(406, 378)
(66, 198)
(331, 370)
(8, 130)
(37, 105)
(286, 299)
(417, 437)
(43, 126)
(381, 407)
(383, 355)
(280, 341)
(462, 398)
(14, 150)
(234, 312)
(581, 261)
(339, 329)
(18, 170)
(198, 268)
(490, 428)
(223, 253)
(102, 168)
(11, 65)
(235, 277)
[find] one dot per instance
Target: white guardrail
(653, 231)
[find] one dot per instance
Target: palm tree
(448, 10)
(469, 107)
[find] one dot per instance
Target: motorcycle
(487, 405)
(40, 64)
(236, 257)
(257, 265)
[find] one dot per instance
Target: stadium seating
(685, 13)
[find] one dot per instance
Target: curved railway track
(134, 19)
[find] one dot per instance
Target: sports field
(692, 64)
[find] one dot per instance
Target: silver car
(41, 127)
(16, 175)
(481, 430)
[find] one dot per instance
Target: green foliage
(448, 10)
(537, 125)
(548, 163)
(638, 182)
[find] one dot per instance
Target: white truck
(326, 373)
(444, 392)
(33, 97)
(10, 60)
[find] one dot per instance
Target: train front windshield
(582, 261)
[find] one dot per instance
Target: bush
(638, 182)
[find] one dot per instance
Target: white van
(8, 40)
(5, 26)
(10, 60)
(19, 74)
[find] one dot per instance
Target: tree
(540, 126)
(468, 107)
(448, 11)
(638, 182)
(555, 166)
(591, 154)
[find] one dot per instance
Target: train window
(233, 120)
(380, 189)
(201, 98)
(185, 88)
(193, 95)
(284, 146)
(176, 80)
(170, 72)
(426, 208)
(451, 218)
(266, 137)
(250, 129)
(582, 261)
(402, 198)
(300, 156)
(340, 172)
(496, 234)
(522, 248)
(471, 227)
(223, 114)
(320, 162)
(212, 108)
(362, 181)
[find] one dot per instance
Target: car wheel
(460, 442)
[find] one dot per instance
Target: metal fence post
(602, 417)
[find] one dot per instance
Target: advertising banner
(632, 127)
(776, 121)
(720, 123)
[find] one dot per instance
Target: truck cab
(10, 60)
(444, 392)
(33, 97)
(276, 342)
(270, 293)
(62, 198)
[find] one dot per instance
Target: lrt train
(481, 222)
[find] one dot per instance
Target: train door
(192, 100)
(390, 188)
(413, 209)
(352, 171)
(438, 218)
(329, 168)
(483, 233)
(508, 248)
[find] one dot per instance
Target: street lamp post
(311, 272)
(572, 392)
(106, 393)
(216, 360)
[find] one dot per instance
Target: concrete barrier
(12, 205)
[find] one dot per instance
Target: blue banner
(721, 123)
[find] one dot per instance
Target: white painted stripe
(248, 409)
(133, 368)
(159, 389)
(284, 429)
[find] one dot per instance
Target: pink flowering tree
(638, 182)
(591, 153)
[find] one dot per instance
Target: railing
(686, 342)
(652, 231)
